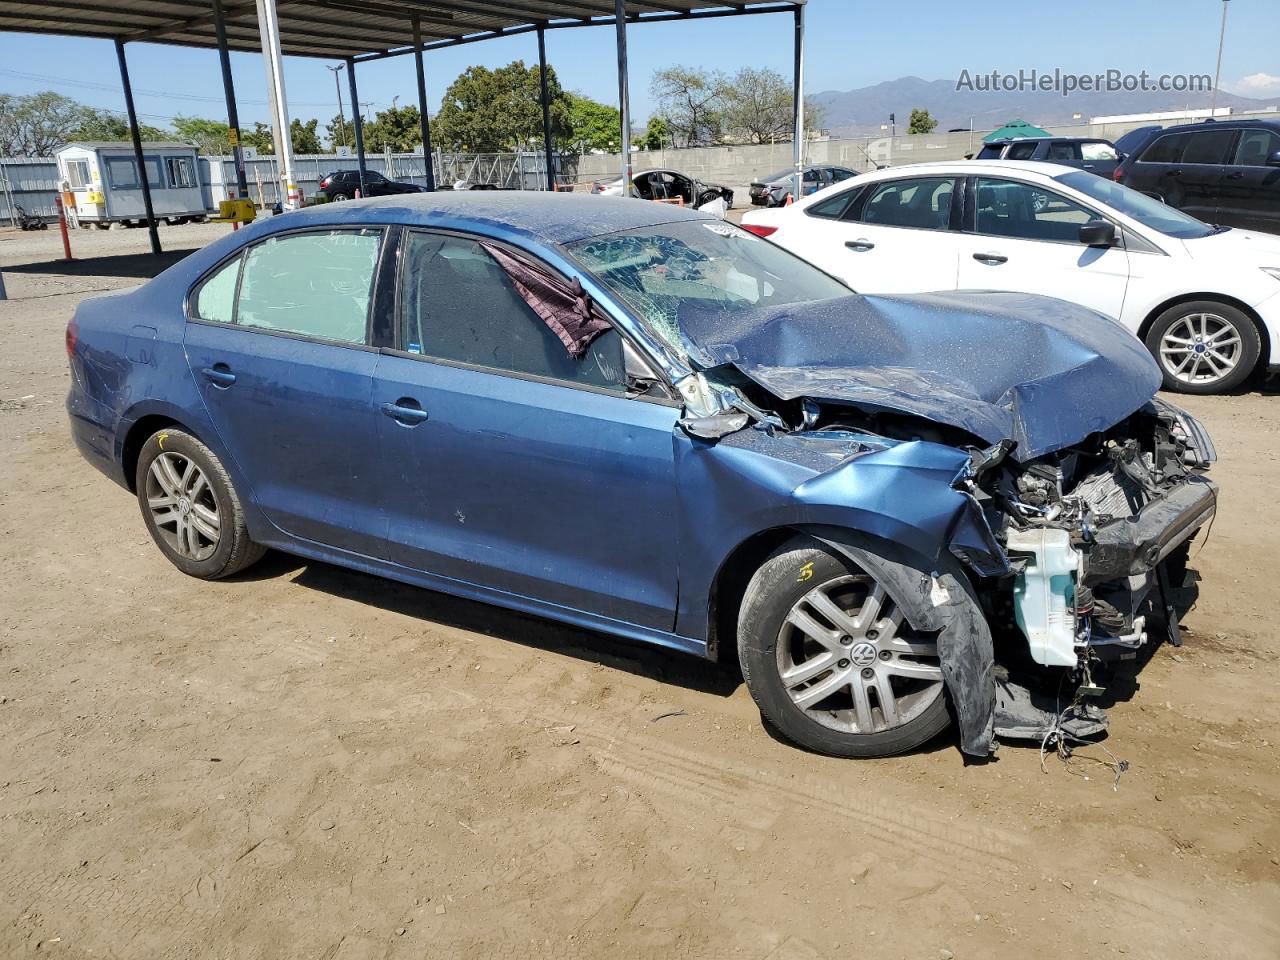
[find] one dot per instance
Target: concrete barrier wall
(741, 163)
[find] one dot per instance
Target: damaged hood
(1039, 371)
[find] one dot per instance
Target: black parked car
(1096, 156)
(343, 184)
(1220, 171)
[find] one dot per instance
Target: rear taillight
(759, 229)
(324, 183)
(73, 337)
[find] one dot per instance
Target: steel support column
(282, 131)
(423, 120)
(797, 107)
(136, 136)
(357, 126)
(546, 108)
(229, 92)
(624, 93)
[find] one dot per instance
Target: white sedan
(1204, 299)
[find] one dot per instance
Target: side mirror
(1098, 233)
(1274, 159)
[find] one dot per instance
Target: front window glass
(923, 202)
(1147, 211)
(699, 265)
(458, 304)
(1006, 208)
(1255, 146)
(313, 284)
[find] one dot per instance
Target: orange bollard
(62, 225)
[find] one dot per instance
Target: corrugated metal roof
(128, 145)
(337, 29)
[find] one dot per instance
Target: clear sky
(850, 43)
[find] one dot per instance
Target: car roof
(962, 168)
(551, 218)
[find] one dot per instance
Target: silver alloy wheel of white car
(1201, 348)
(842, 662)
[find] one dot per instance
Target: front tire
(830, 661)
(1204, 347)
(191, 508)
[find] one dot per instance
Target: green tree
(108, 125)
(490, 111)
(657, 134)
(37, 125)
(920, 121)
(396, 129)
(692, 102)
(210, 136)
(303, 136)
(592, 125)
(759, 107)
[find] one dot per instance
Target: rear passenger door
(278, 342)
(896, 237)
(509, 464)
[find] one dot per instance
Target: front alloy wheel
(830, 660)
(1204, 347)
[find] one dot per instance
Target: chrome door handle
(991, 258)
(219, 375)
(860, 245)
(402, 413)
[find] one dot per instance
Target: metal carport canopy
(359, 30)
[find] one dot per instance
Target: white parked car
(1205, 299)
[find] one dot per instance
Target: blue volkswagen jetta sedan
(898, 512)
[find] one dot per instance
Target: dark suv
(1221, 171)
(343, 184)
(1096, 156)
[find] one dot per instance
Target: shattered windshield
(708, 266)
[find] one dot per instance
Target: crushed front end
(1097, 535)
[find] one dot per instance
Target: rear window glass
(1166, 149)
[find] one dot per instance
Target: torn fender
(940, 600)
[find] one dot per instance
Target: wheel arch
(1264, 337)
(136, 436)
(733, 575)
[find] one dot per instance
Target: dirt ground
(308, 762)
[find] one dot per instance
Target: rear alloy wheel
(830, 661)
(191, 508)
(339, 197)
(1204, 347)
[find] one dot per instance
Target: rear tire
(339, 197)
(830, 661)
(1204, 347)
(191, 507)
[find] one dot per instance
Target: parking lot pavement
(309, 762)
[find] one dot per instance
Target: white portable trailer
(102, 179)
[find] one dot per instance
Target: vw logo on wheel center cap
(863, 655)
(184, 506)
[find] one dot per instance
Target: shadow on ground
(143, 266)
(664, 666)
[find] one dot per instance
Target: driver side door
(508, 463)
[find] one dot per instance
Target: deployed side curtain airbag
(565, 309)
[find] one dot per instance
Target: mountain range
(860, 112)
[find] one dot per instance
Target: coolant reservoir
(1044, 594)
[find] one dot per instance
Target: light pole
(342, 127)
(1222, 33)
